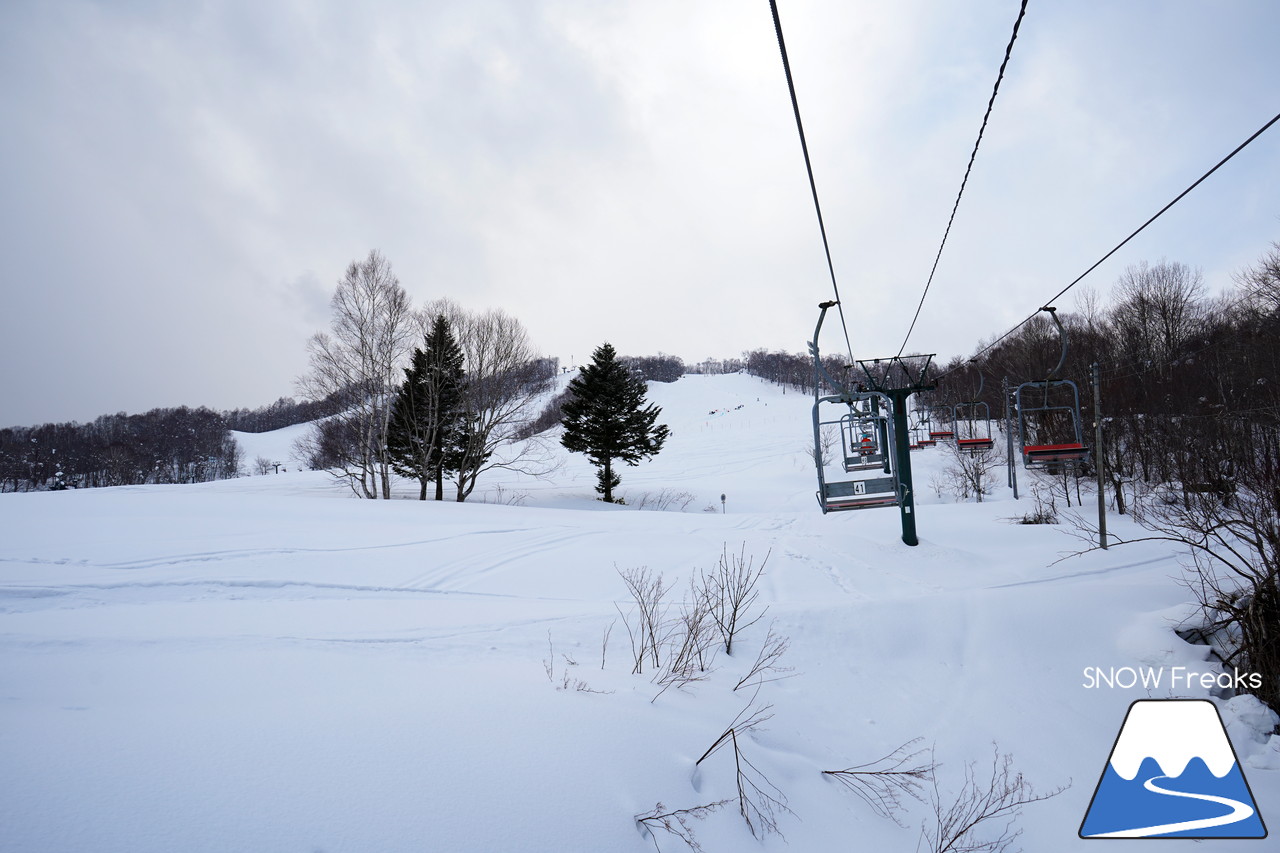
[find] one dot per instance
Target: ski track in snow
(1084, 574)
(214, 584)
(382, 686)
(248, 553)
(480, 563)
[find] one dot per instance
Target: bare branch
(677, 822)
(981, 818)
(882, 783)
(768, 661)
(731, 593)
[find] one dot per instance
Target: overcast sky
(183, 183)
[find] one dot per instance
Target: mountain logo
(1172, 773)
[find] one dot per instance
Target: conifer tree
(427, 418)
(606, 418)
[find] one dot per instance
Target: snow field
(266, 665)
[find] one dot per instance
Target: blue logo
(1172, 774)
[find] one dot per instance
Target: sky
(183, 184)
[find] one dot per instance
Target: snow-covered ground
(266, 664)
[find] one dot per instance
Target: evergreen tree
(606, 418)
(409, 441)
(427, 420)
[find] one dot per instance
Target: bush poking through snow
(719, 604)
(968, 472)
(663, 500)
(821, 454)
(566, 682)
(646, 621)
(760, 802)
(731, 593)
(677, 822)
(506, 497)
(767, 666)
(883, 783)
(1046, 511)
(981, 818)
(1233, 570)
(687, 642)
(677, 643)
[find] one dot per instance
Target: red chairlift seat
(1050, 453)
(975, 443)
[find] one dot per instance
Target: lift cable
(1122, 243)
(972, 156)
(808, 165)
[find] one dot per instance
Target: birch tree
(370, 336)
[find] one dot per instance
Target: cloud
(184, 183)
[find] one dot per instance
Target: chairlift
(1049, 428)
(921, 427)
(859, 439)
(942, 430)
(971, 423)
(864, 455)
(862, 419)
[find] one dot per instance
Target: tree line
(174, 445)
(164, 445)
(1190, 385)
(285, 412)
(795, 371)
(436, 395)
(1190, 410)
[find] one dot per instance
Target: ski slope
(266, 664)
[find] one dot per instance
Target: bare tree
(1158, 308)
(821, 453)
(981, 818)
(505, 382)
(731, 592)
(1234, 568)
(1261, 283)
(370, 336)
(970, 471)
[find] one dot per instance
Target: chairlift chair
(971, 423)
(859, 492)
(858, 440)
(921, 430)
(1049, 431)
(942, 430)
